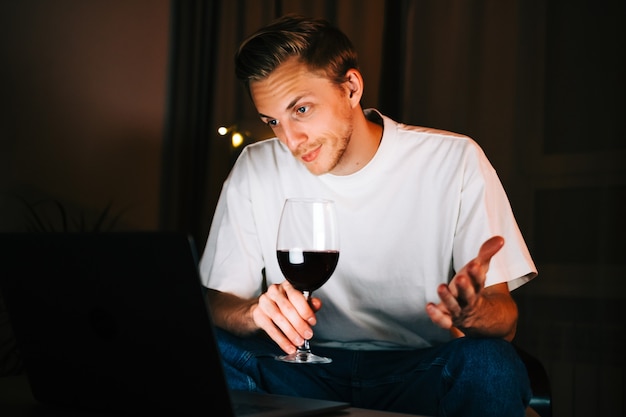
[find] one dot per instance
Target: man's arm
(467, 307)
(232, 313)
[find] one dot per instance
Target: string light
(237, 138)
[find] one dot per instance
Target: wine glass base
(303, 357)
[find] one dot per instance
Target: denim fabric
(464, 377)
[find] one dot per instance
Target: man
(417, 316)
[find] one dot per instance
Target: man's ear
(354, 84)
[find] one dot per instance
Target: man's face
(307, 112)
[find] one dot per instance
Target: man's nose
(293, 136)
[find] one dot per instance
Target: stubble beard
(340, 151)
(335, 158)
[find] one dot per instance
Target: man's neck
(364, 143)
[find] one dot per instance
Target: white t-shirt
(418, 211)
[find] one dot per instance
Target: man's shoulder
(424, 131)
(265, 157)
(265, 145)
(422, 138)
(407, 129)
(270, 148)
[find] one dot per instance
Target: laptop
(119, 322)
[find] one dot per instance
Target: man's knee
(487, 375)
(493, 364)
(497, 355)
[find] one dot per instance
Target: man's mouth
(309, 157)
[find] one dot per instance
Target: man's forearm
(232, 313)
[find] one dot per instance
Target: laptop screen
(113, 321)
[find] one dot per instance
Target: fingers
(489, 248)
(315, 304)
(443, 314)
(439, 316)
(461, 296)
(264, 321)
(285, 315)
(449, 300)
(476, 269)
(451, 313)
(467, 287)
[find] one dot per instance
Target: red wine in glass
(307, 250)
(311, 269)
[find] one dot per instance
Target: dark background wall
(114, 105)
(83, 93)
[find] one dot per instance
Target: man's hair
(315, 42)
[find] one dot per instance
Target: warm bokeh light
(237, 139)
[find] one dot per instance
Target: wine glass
(308, 250)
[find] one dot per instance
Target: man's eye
(302, 109)
(272, 123)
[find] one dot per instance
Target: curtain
(448, 64)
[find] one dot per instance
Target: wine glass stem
(305, 348)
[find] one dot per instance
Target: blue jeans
(464, 377)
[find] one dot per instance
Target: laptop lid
(118, 321)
